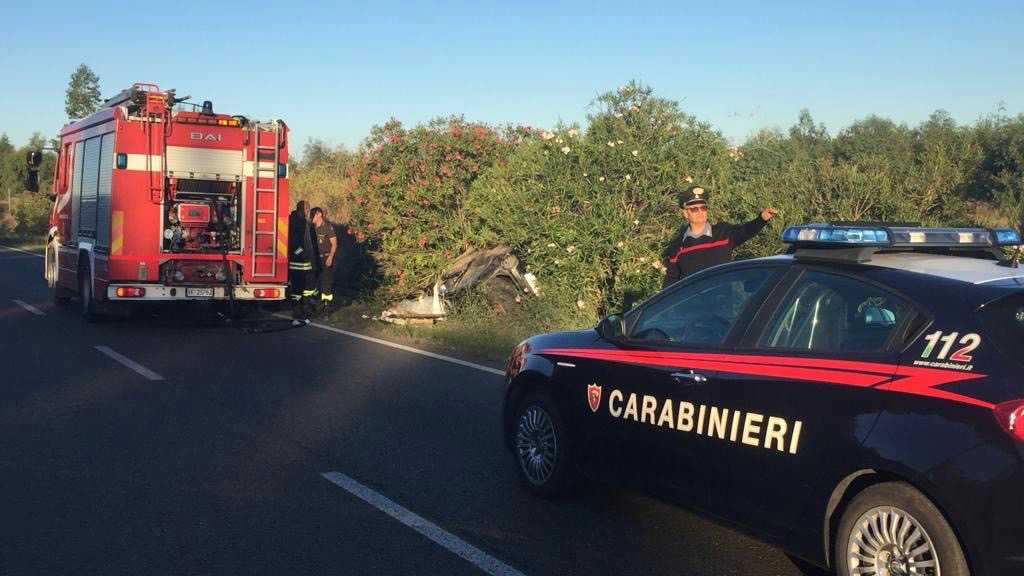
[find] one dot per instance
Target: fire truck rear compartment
(202, 216)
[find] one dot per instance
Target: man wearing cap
(698, 244)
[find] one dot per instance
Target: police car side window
(702, 312)
(831, 313)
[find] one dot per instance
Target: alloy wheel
(537, 445)
(887, 541)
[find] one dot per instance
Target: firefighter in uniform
(301, 276)
(698, 244)
(326, 249)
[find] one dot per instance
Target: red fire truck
(156, 200)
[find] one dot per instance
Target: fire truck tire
(58, 294)
(85, 293)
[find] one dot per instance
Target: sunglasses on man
(696, 209)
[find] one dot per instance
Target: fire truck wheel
(58, 294)
(85, 293)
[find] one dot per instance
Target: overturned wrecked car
(494, 272)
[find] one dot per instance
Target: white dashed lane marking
(435, 533)
(433, 355)
(128, 362)
(13, 249)
(29, 307)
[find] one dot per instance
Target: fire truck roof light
(190, 119)
(824, 235)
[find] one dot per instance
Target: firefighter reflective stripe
(327, 297)
(295, 297)
(300, 265)
(306, 293)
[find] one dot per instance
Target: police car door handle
(690, 378)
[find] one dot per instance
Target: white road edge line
(20, 250)
(29, 307)
(435, 533)
(466, 363)
(128, 362)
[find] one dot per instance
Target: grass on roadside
(472, 330)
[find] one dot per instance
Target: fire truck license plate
(199, 292)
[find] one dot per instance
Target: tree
(83, 94)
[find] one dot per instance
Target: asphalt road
(174, 444)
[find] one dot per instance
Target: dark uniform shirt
(300, 247)
(324, 233)
(687, 254)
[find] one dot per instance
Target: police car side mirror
(612, 327)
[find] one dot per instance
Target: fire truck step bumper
(161, 292)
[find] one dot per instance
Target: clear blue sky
(334, 71)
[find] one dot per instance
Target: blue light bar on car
(1007, 237)
(911, 236)
(830, 235)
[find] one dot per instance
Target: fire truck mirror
(33, 158)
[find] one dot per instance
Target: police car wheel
(542, 447)
(891, 529)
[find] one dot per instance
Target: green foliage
(589, 209)
(83, 94)
(998, 179)
(33, 214)
(590, 213)
(27, 216)
(320, 179)
(407, 191)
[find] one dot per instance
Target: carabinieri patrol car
(858, 402)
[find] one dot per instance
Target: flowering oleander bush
(408, 191)
(590, 211)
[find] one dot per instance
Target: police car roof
(964, 269)
(958, 268)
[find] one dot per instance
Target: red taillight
(130, 292)
(266, 293)
(1011, 417)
